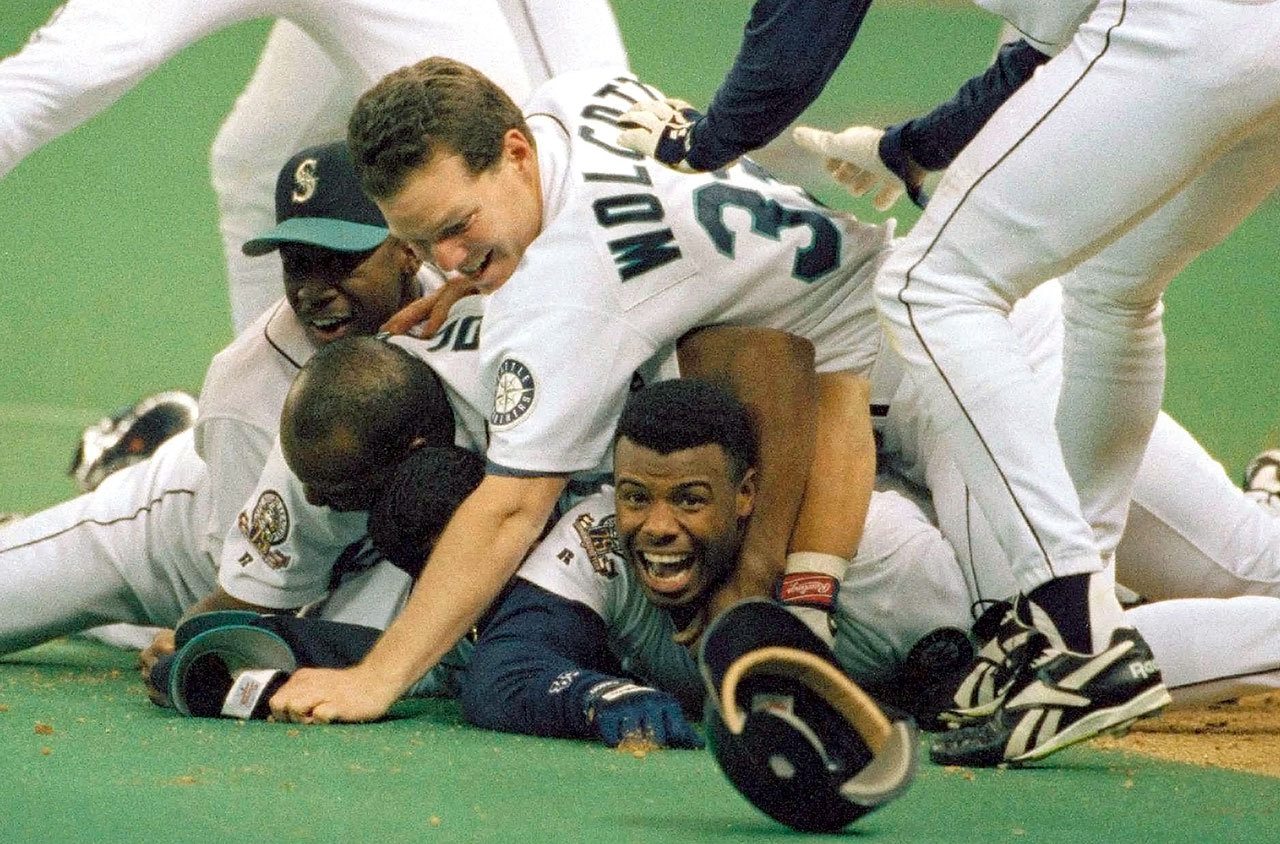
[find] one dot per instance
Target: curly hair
(686, 413)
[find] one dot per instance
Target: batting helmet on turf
(788, 727)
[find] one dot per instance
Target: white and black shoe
(1262, 479)
(1003, 642)
(1059, 698)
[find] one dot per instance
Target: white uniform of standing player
(1146, 139)
(902, 584)
(1190, 532)
(320, 55)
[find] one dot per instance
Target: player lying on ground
(318, 58)
(581, 644)
(147, 545)
(353, 410)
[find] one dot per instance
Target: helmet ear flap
(793, 734)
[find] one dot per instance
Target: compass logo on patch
(267, 527)
(514, 396)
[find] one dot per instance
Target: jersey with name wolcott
(633, 255)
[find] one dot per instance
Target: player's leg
(553, 40)
(1192, 532)
(946, 293)
(118, 554)
(295, 97)
(904, 582)
(1235, 650)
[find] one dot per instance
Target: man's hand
(161, 645)
(324, 695)
(853, 160)
(621, 710)
(660, 129)
(423, 317)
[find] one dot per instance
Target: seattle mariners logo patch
(514, 396)
(305, 181)
(267, 527)
(600, 541)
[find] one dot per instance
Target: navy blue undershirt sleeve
(934, 140)
(533, 664)
(789, 51)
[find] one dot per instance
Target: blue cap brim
(327, 233)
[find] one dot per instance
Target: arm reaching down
(542, 666)
(502, 518)
(771, 372)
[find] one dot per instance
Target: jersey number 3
(769, 218)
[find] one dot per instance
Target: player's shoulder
(587, 535)
(259, 364)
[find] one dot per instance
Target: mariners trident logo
(305, 181)
(514, 396)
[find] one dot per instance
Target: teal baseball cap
(319, 203)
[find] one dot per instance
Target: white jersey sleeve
(239, 417)
(281, 550)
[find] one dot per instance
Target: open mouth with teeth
(670, 576)
(329, 328)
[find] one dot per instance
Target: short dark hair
(382, 394)
(418, 501)
(415, 112)
(686, 413)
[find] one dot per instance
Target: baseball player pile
(658, 439)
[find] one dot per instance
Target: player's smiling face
(344, 294)
(680, 518)
(476, 224)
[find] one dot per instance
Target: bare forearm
(476, 554)
(772, 374)
(843, 470)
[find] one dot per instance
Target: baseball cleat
(1059, 698)
(130, 436)
(1262, 479)
(1004, 642)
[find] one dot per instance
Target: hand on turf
(853, 160)
(620, 710)
(161, 645)
(423, 317)
(660, 129)
(325, 695)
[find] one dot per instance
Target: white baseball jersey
(319, 57)
(281, 551)
(633, 255)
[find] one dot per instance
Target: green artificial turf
(113, 288)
